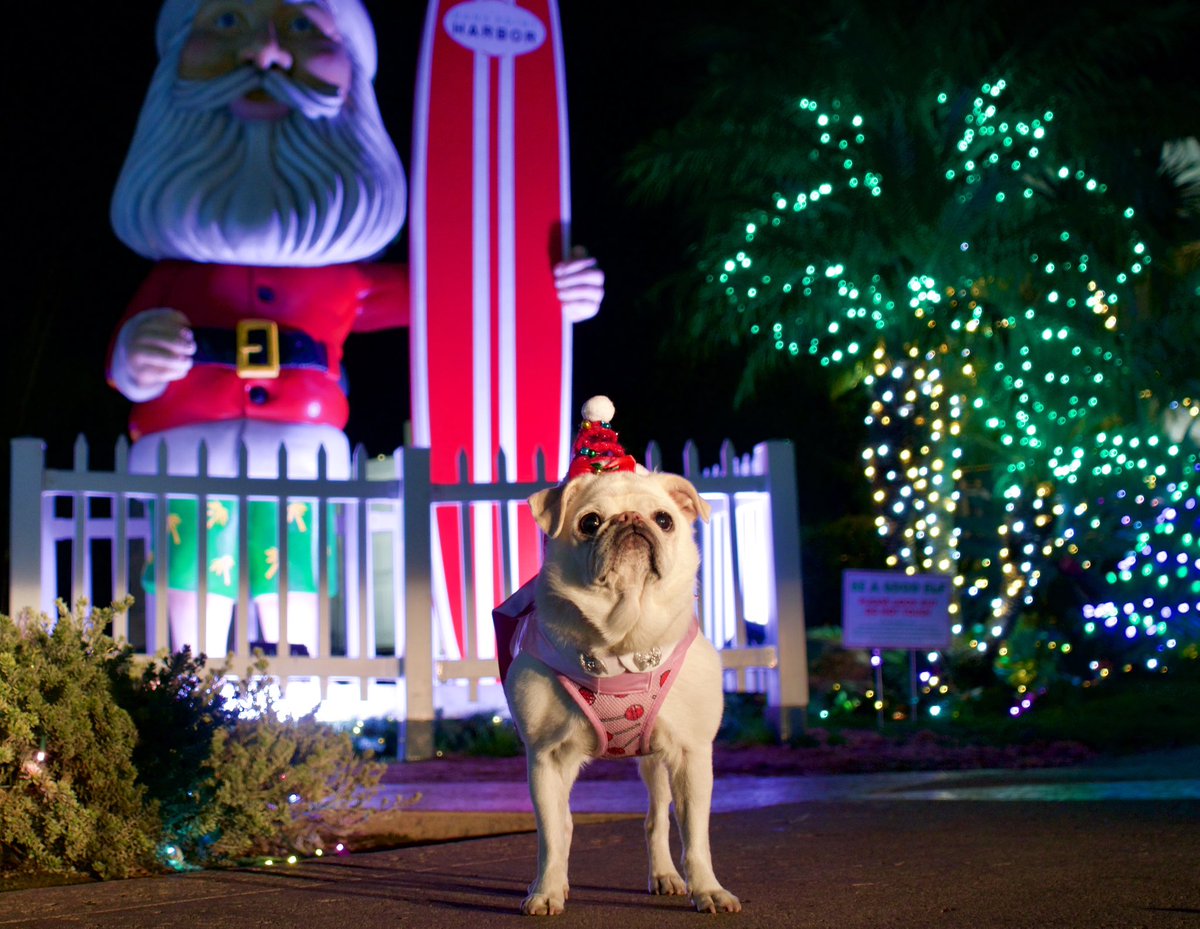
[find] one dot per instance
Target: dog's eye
(663, 520)
(589, 523)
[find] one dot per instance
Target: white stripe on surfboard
(507, 295)
(445, 641)
(506, 231)
(481, 275)
(481, 348)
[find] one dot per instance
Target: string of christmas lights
(1013, 438)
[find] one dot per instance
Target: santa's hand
(154, 348)
(580, 286)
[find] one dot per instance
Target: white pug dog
(611, 631)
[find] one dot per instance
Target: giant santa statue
(260, 180)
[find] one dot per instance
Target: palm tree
(963, 212)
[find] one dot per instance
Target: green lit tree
(1012, 290)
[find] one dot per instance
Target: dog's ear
(685, 496)
(550, 506)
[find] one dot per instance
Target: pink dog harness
(621, 707)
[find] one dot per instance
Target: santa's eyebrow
(321, 5)
(322, 10)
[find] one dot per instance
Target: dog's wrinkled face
(620, 547)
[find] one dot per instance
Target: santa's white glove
(153, 348)
(580, 286)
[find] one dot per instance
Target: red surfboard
(489, 217)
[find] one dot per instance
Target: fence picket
(321, 572)
(242, 616)
(357, 563)
(159, 638)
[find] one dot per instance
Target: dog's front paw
(669, 884)
(716, 901)
(540, 903)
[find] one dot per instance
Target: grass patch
(1133, 712)
(744, 721)
(1136, 712)
(483, 735)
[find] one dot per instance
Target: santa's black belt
(258, 348)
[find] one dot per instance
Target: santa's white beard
(323, 185)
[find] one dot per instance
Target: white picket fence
(83, 533)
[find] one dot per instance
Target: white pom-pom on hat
(599, 409)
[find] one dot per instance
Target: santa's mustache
(217, 92)
(200, 183)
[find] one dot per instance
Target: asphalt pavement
(1113, 844)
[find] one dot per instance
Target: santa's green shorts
(220, 525)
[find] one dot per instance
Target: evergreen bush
(231, 778)
(174, 703)
(69, 801)
(281, 786)
(105, 762)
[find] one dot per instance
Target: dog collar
(612, 674)
(634, 662)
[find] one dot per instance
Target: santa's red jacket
(323, 304)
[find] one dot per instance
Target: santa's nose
(264, 51)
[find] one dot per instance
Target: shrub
(103, 760)
(744, 721)
(378, 736)
(69, 801)
(231, 778)
(281, 786)
(483, 734)
(174, 703)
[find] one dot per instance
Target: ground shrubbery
(275, 787)
(69, 800)
(108, 767)
(482, 735)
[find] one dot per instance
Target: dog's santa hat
(597, 450)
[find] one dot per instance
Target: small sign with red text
(891, 609)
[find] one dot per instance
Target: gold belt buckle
(257, 348)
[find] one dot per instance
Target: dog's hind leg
(550, 780)
(664, 879)
(691, 785)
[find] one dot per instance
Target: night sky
(71, 278)
(79, 80)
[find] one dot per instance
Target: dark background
(81, 86)
(77, 77)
